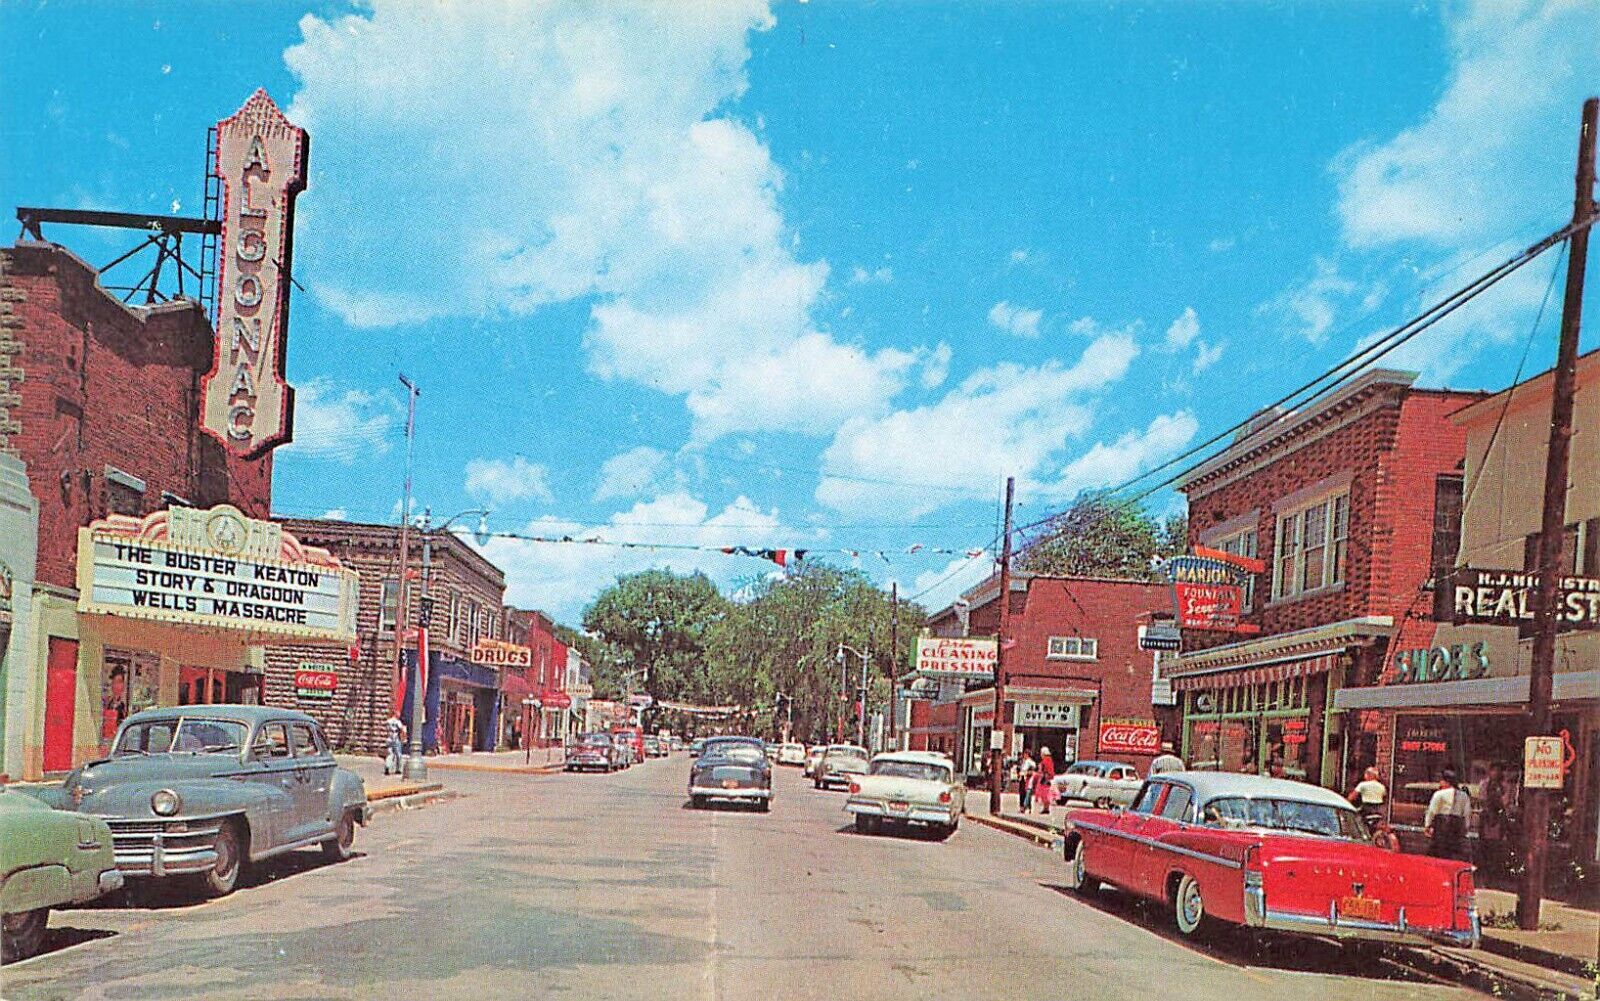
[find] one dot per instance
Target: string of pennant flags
(786, 558)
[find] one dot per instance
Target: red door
(60, 703)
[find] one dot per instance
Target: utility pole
(1552, 527)
(894, 660)
(861, 707)
(997, 747)
(416, 767)
(401, 591)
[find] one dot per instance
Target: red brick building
(463, 698)
(99, 413)
(1073, 662)
(546, 723)
(1351, 502)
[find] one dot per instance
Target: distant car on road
(47, 858)
(813, 758)
(731, 768)
(632, 736)
(1103, 783)
(907, 787)
(204, 790)
(1218, 847)
(695, 746)
(653, 747)
(839, 762)
(771, 750)
(594, 752)
(791, 754)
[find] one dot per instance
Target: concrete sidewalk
(535, 762)
(1567, 946)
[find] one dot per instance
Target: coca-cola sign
(1129, 736)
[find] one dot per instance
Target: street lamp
(861, 706)
(415, 768)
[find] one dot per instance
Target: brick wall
(355, 716)
(1391, 454)
(103, 385)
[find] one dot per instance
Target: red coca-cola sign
(315, 684)
(1129, 736)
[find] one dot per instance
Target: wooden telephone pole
(996, 746)
(1552, 527)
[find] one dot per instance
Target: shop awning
(1513, 690)
(1258, 674)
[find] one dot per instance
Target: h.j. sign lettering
(261, 162)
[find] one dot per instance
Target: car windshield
(1321, 819)
(911, 770)
(181, 736)
(594, 740)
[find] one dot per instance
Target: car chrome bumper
(164, 848)
(111, 879)
(924, 814)
(1331, 925)
(717, 792)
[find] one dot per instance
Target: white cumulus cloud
(630, 473)
(343, 425)
(562, 578)
(1018, 321)
(551, 152)
(1007, 419)
(1110, 465)
(501, 481)
(1183, 330)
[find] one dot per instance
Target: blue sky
(820, 275)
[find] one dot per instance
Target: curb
(1027, 831)
(412, 800)
(1455, 967)
(407, 789)
(502, 769)
(1570, 965)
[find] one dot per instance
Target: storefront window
(1263, 729)
(1485, 749)
(130, 682)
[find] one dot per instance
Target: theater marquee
(261, 163)
(215, 569)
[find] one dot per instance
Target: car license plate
(730, 783)
(899, 807)
(1365, 908)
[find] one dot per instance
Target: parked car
(1267, 853)
(907, 787)
(813, 758)
(594, 752)
(695, 746)
(791, 754)
(204, 790)
(634, 737)
(652, 746)
(731, 768)
(839, 762)
(47, 858)
(771, 751)
(1103, 783)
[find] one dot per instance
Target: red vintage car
(1267, 853)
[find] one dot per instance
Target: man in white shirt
(397, 738)
(1368, 797)
(1166, 761)
(1448, 817)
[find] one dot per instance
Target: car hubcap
(1193, 908)
(225, 855)
(1077, 865)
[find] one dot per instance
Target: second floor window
(1245, 543)
(472, 624)
(389, 608)
(1312, 544)
(1073, 648)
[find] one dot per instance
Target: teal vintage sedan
(202, 791)
(47, 858)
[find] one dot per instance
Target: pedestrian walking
(1027, 771)
(397, 743)
(1044, 788)
(1167, 760)
(1449, 814)
(1368, 797)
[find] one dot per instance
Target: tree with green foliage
(655, 624)
(1101, 536)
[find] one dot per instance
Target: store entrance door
(60, 703)
(458, 725)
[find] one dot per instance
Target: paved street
(593, 886)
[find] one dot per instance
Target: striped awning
(1257, 674)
